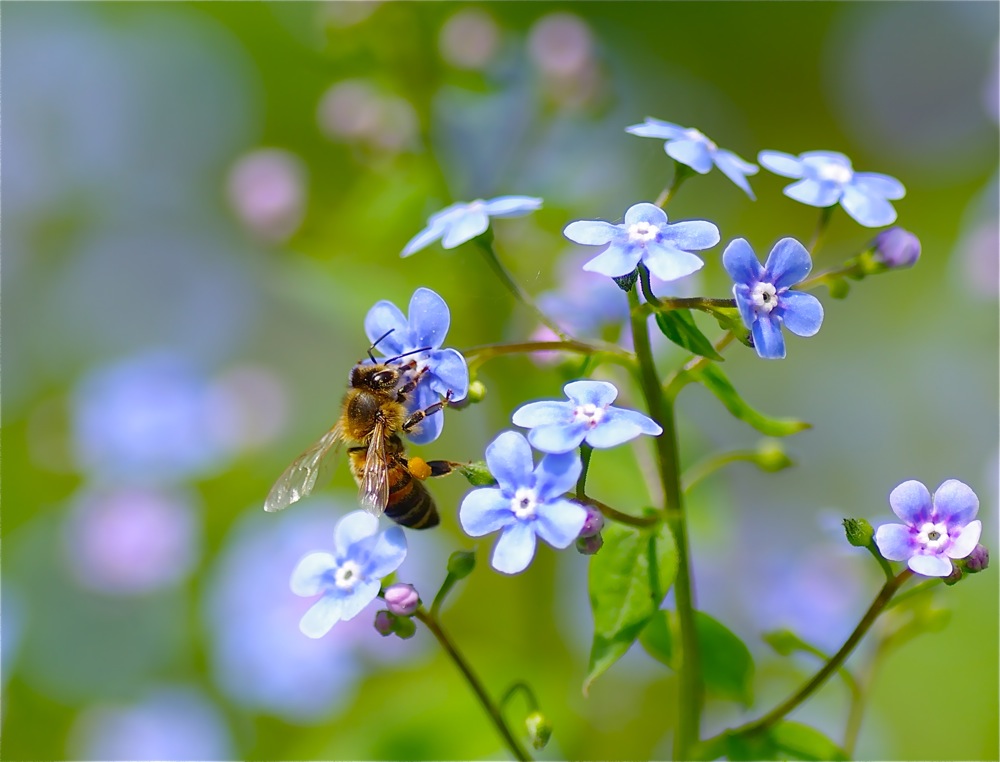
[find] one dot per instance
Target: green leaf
(680, 328)
(628, 579)
(726, 664)
(799, 741)
(717, 383)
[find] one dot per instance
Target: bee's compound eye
(385, 377)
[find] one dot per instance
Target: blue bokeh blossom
(559, 426)
(463, 221)
(826, 177)
(528, 502)
(764, 295)
(694, 149)
(349, 578)
(645, 236)
(936, 530)
(440, 370)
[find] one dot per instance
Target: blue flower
(440, 371)
(558, 426)
(826, 177)
(764, 297)
(937, 529)
(694, 149)
(527, 503)
(645, 235)
(349, 578)
(462, 222)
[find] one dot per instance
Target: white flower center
(589, 413)
(834, 172)
(643, 232)
(699, 137)
(347, 575)
(934, 537)
(524, 503)
(764, 297)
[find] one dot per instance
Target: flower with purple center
(440, 371)
(936, 530)
(694, 149)
(645, 236)
(349, 578)
(528, 503)
(559, 426)
(462, 222)
(764, 295)
(826, 177)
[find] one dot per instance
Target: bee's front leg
(418, 415)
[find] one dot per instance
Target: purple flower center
(643, 232)
(589, 414)
(764, 297)
(524, 504)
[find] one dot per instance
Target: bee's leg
(418, 415)
(424, 469)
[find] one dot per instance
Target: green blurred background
(201, 201)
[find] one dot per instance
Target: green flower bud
(404, 627)
(461, 563)
(539, 729)
(477, 391)
(477, 473)
(771, 457)
(859, 532)
(839, 288)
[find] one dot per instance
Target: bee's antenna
(407, 354)
(397, 357)
(376, 343)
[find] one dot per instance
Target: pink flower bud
(402, 599)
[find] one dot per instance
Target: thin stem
(824, 219)
(586, 452)
(486, 247)
(681, 173)
(529, 695)
(478, 355)
(705, 468)
(661, 410)
(491, 708)
(919, 589)
(442, 593)
(616, 515)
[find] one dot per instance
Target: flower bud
(978, 559)
(955, 576)
(402, 599)
(404, 627)
(588, 546)
(627, 282)
(384, 622)
(859, 532)
(896, 247)
(477, 473)
(539, 729)
(771, 457)
(461, 563)
(594, 522)
(477, 391)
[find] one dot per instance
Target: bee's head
(379, 377)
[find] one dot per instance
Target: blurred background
(201, 202)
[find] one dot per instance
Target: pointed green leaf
(717, 383)
(798, 741)
(680, 328)
(627, 581)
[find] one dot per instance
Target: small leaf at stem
(680, 328)
(717, 383)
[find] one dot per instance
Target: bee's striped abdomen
(410, 504)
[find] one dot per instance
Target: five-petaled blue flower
(527, 503)
(350, 577)
(645, 235)
(439, 371)
(560, 426)
(936, 530)
(462, 222)
(694, 149)
(764, 297)
(826, 177)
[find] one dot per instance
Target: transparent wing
(309, 469)
(374, 488)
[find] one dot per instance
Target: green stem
(476, 356)
(431, 623)
(824, 220)
(586, 452)
(442, 593)
(486, 247)
(661, 410)
(681, 173)
(705, 468)
(616, 515)
(529, 695)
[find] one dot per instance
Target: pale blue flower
(462, 222)
(645, 236)
(560, 426)
(440, 371)
(826, 177)
(936, 530)
(528, 502)
(349, 578)
(694, 149)
(764, 295)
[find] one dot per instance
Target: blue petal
(465, 228)
(586, 392)
(733, 167)
(780, 163)
(449, 372)
(611, 432)
(955, 503)
(615, 261)
(382, 318)
(429, 319)
(485, 510)
(693, 153)
(657, 128)
(556, 475)
(644, 212)
(558, 437)
(443, 218)
(364, 593)
(741, 263)
(559, 522)
(387, 555)
(787, 264)
(511, 206)
(644, 423)
(691, 235)
(741, 292)
(430, 427)
(801, 313)
(930, 566)
(895, 542)
(309, 575)
(767, 338)
(871, 211)
(966, 541)
(879, 185)
(543, 413)
(911, 501)
(668, 263)
(814, 193)
(422, 239)
(323, 615)
(352, 530)
(515, 548)
(818, 158)
(509, 459)
(591, 232)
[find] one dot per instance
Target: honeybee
(373, 413)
